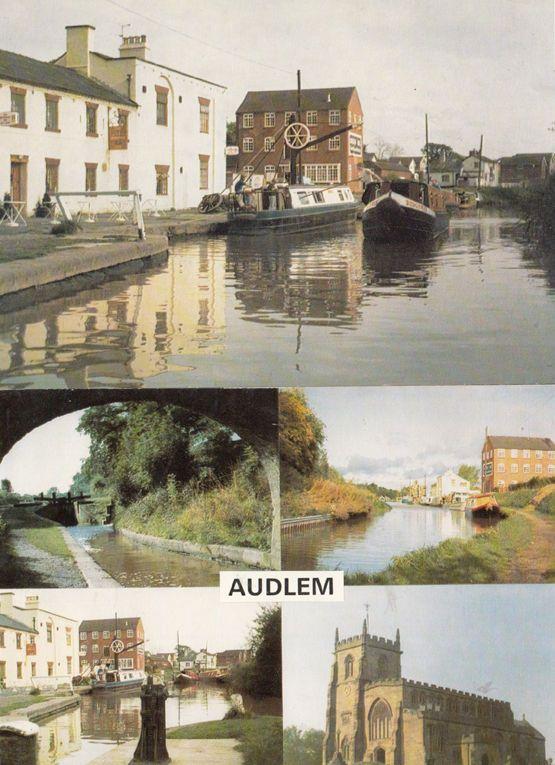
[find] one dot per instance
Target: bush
(34, 692)
(517, 498)
(547, 505)
(341, 499)
(65, 227)
(302, 747)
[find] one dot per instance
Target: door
(18, 184)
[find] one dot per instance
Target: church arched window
(380, 720)
(345, 748)
(382, 667)
(379, 754)
(485, 759)
(349, 664)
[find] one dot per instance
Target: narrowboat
(403, 210)
(106, 679)
(286, 209)
(482, 505)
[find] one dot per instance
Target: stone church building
(374, 715)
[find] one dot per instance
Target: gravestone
(152, 742)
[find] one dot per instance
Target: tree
(440, 152)
(231, 133)
(384, 149)
(261, 676)
(301, 433)
(6, 486)
(302, 747)
(470, 473)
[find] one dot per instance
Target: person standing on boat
(239, 190)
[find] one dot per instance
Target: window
(19, 670)
(204, 164)
(501, 452)
(539, 454)
(501, 467)
(551, 455)
(161, 105)
(312, 118)
(269, 119)
(380, 718)
(248, 145)
(526, 453)
(18, 639)
(162, 172)
(269, 144)
(269, 171)
(83, 635)
(2, 670)
(551, 468)
(526, 468)
(95, 648)
(323, 173)
(52, 174)
(123, 173)
(248, 120)
(50, 668)
(69, 665)
(514, 467)
(106, 651)
(18, 106)
(538, 468)
(348, 666)
(51, 122)
(33, 669)
(2, 639)
(130, 633)
(106, 634)
(315, 147)
(49, 632)
(248, 169)
(126, 663)
(83, 649)
(68, 635)
(334, 117)
(90, 185)
(91, 118)
(334, 144)
(445, 178)
(514, 452)
(289, 117)
(204, 111)
(501, 484)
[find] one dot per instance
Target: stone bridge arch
(252, 414)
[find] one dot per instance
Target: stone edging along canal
(44, 709)
(245, 555)
(19, 275)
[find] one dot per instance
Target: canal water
(104, 721)
(324, 309)
(369, 544)
(136, 565)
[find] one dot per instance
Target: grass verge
(260, 738)
(50, 539)
(19, 703)
(482, 559)
(340, 499)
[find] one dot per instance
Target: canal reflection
(282, 311)
(135, 565)
(104, 721)
(369, 544)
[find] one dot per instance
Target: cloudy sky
(47, 456)
(479, 66)
(494, 640)
(393, 435)
(195, 612)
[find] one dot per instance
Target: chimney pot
(134, 46)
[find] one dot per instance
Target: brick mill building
(264, 113)
(96, 637)
(509, 460)
(375, 715)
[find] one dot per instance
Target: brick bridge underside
(252, 414)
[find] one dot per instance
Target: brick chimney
(134, 47)
(79, 44)
(6, 603)
(32, 601)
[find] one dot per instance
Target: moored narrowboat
(105, 679)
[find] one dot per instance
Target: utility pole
(480, 162)
(427, 153)
(298, 159)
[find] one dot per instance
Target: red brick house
(96, 637)
(264, 113)
(526, 169)
(508, 460)
(233, 657)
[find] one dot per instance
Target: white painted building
(37, 648)
(110, 123)
(489, 172)
(206, 660)
(448, 484)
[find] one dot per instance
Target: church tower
(359, 660)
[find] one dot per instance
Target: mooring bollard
(19, 742)
(152, 742)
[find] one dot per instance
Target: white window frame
(269, 119)
(514, 467)
(334, 116)
(248, 120)
(288, 116)
(526, 468)
(501, 467)
(248, 169)
(105, 634)
(526, 453)
(323, 173)
(269, 169)
(269, 144)
(538, 468)
(501, 452)
(94, 635)
(334, 144)
(248, 141)
(83, 635)
(514, 453)
(315, 147)
(312, 117)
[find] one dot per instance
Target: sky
(48, 456)
(393, 435)
(493, 640)
(195, 612)
(479, 66)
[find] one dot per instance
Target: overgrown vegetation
(517, 498)
(309, 484)
(302, 747)
(11, 704)
(175, 474)
(547, 505)
(260, 738)
(535, 204)
(261, 676)
(484, 558)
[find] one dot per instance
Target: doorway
(18, 183)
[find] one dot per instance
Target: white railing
(11, 214)
(118, 214)
(52, 681)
